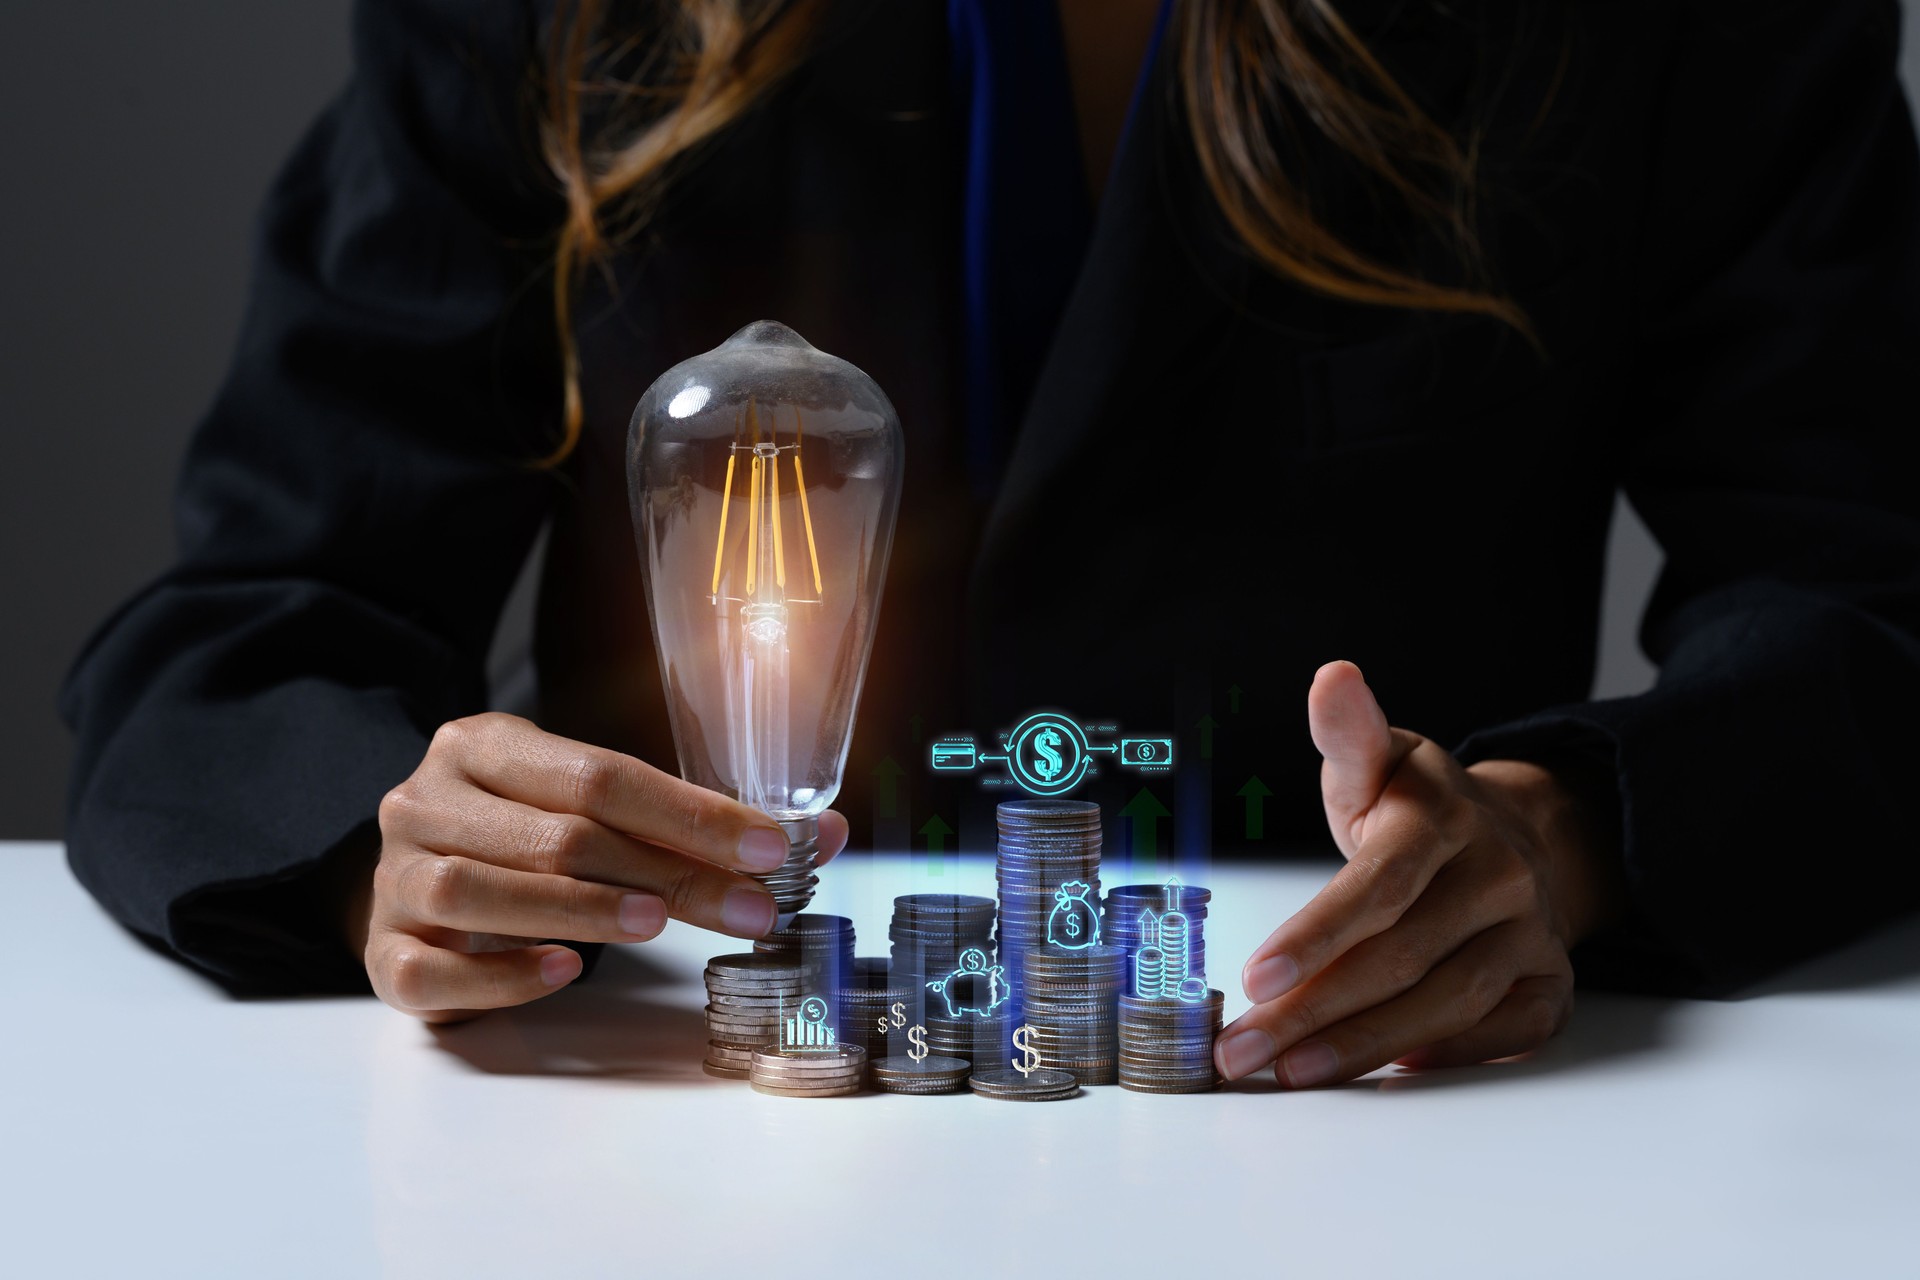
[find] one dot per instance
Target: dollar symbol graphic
(899, 1015)
(918, 1039)
(1073, 925)
(1029, 1055)
(883, 1022)
(1048, 766)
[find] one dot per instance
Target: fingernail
(559, 967)
(762, 849)
(642, 915)
(1309, 1064)
(746, 913)
(1245, 1052)
(1271, 978)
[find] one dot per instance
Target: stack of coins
(1127, 901)
(1070, 1008)
(821, 945)
(1044, 844)
(1042, 1084)
(984, 1042)
(815, 1073)
(929, 932)
(874, 1010)
(931, 1074)
(1166, 1046)
(746, 997)
(793, 881)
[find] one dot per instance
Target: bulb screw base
(792, 882)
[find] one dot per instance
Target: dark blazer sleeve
(1764, 780)
(350, 515)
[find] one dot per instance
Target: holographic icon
(899, 1012)
(1029, 1058)
(807, 1031)
(1075, 922)
(1048, 754)
(1162, 968)
(975, 987)
(917, 1038)
(1147, 753)
(953, 757)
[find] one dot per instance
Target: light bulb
(764, 476)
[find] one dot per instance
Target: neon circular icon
(1047, 754)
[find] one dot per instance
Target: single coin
(784, 1091)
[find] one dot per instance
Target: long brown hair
(629, 97)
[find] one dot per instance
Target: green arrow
(936, 831)
(1233, 699)
(886, 789)
(1145, 811)
(1206, 725)
(1256, 793)
(914, 724)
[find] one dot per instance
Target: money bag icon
(1075, 922)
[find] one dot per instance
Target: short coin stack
(1043, 845)
(932, 1074)
(821, 945)
(1042, 1084)
(874, 1010)
(1070, 1009)
(929, 932)
(815, 1073)
(1166, 1046)
(984, 1042)
(747, 995)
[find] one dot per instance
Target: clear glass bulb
(764, 477)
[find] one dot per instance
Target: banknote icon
(1155, 753)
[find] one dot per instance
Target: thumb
(1361, 753)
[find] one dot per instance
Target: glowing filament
(753, 523)
(720, 544)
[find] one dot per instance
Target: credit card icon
(1153, 753)
(953, 757)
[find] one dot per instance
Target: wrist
(1571, 809)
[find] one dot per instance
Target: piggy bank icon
(975, 987)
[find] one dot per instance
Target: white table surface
(151, 1126)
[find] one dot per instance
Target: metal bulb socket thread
(792, 882)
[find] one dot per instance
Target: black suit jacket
(1708, 209)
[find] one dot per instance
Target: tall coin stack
(821, 945)
(1126, 902)
(1044, 844)
(1070, 999)
(746, 997)
(929, 932)
(1166, 1045)
(875, 1010)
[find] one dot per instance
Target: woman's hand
(506, 835)
(1444, 939)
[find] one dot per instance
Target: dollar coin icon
(918, 1039)
(1047, 754)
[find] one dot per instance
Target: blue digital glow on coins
(974, 987)
(1074, 924)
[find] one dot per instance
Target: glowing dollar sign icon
(1049, 764)
(1029, 1055)
(899, 1014)
(918, 1039)
(883, 1022)
(1073, 924)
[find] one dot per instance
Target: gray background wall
(138, 139)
